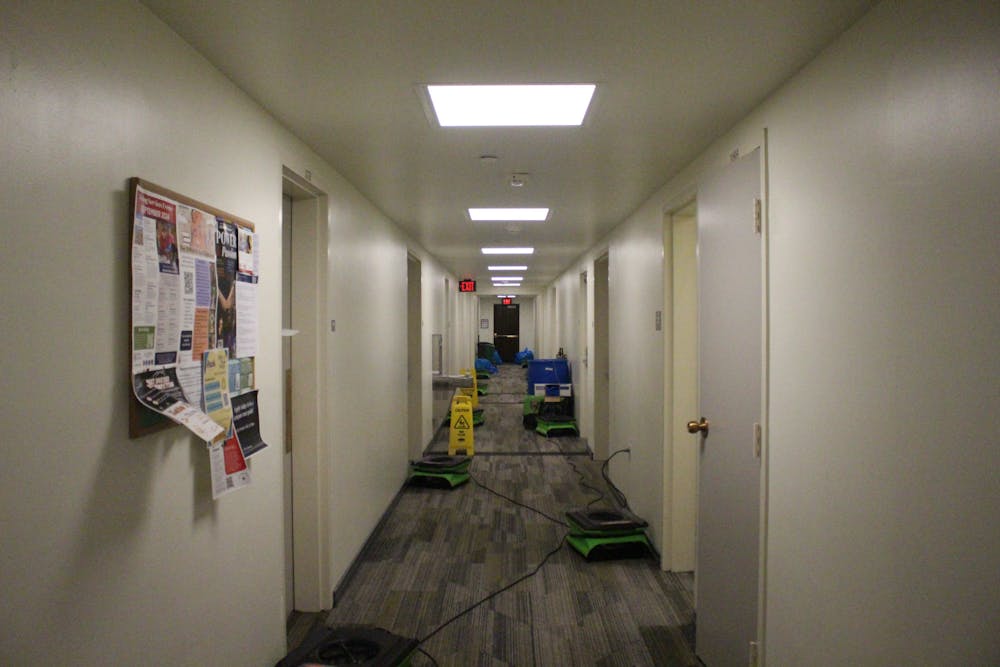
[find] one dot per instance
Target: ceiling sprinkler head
(518, 180)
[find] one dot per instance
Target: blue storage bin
(548, 371)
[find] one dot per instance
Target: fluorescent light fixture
(506, 296)
(508, 251)
(505, 106)
(508, 267)
(502, 278)
(508, 214)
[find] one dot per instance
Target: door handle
(698, 427)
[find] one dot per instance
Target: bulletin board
(193, 326)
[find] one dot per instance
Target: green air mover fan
(554, 425)
(440, 471)
(555, 417)
(362, 645)
(607, 534)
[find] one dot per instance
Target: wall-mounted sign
(467, 285)
(506, 301)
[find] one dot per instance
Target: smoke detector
(518, 180)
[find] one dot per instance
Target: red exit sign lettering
(466, 285)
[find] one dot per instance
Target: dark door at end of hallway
(506, 330)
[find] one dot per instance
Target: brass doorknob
(698, 427)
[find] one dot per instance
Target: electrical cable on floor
(619, 496)
(429, 656)
(615, 491)
(496, 592)
(584, 483)
(506, 588)
(516, 502)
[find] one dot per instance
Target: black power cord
(616, 492)
(516, 502)
(509, 586)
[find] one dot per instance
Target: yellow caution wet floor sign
(461, 433)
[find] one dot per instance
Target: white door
(729, 279)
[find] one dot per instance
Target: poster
(229, 467)
(241, 377)
(246, 423)
(246, 319)
(225, 267)
(160, 391)
(215, 384)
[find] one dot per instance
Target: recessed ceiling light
(507, 267)
(508, 214)
(519, 105)
(506, 296)
(508, 251)
(506, 278)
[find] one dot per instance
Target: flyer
(226, 270)
(247, 242)
(215, 384)
(240, 375)
(229, 467)
(246, 319)
(246, 422)
(196, 230)
(160, 390)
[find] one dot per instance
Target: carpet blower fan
(607, 534)
(351, 645)
(440, 471)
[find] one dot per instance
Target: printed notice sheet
(160, 391)
(229, 468)
(215, 371)
(247, 424)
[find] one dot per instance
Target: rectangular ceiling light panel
(508, 251)
(506, 278)
(508, 214)
(508, 267)
(508, 106)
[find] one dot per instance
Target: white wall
(885, 319)
(113, 550)
(883, 544)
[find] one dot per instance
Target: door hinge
(757, 216)
(754, 655)
(757, 437)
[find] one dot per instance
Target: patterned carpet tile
(440, 552)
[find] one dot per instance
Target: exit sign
(466, 285)
(505, 302)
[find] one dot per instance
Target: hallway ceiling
(345, 76)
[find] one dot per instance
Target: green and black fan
(607, 534)
(440, 471)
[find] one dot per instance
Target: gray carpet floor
(440, 552)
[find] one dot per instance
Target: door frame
(308, 390)
(414, 354)
(601, 357)
(680, 468)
